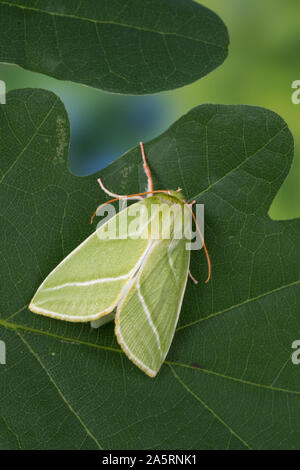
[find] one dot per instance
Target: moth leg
(192, 278)
(147, 170)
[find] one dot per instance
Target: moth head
(171, 196)
(177, 194)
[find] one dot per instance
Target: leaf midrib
(114, 23)
(241, 304)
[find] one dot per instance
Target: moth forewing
(89, 282)
(147, 315)
(138, 221)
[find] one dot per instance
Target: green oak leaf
(132, 47)
(228, 381)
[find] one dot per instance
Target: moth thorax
(169, 221)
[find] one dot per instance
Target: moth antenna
(104, 204)
(202, 239)
(192, 277)
(178, 190)
(147, 170)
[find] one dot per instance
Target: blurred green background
(262, 64)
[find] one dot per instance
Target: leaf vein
(97, 21)
(35, 355)
(218, 418)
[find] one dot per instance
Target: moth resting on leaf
(138, 280)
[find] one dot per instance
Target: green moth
(133, 269)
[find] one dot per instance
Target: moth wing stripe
(179, 306)
(142, 300)
(148, 315)
(88, 283)
(82, 244)
(132, 271)
(120, 338)
(95, 316)
(171, 264)
(170, 251)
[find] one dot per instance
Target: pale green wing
(147, 316)
(89, 282)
